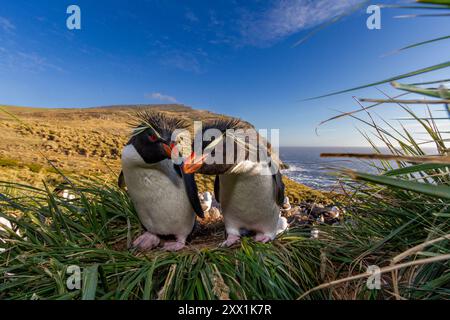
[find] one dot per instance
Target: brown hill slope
(84, 141)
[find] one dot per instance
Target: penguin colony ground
(165, 195)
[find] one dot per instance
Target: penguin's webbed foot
(173, 246)
(146, 241)
(261, 237)
(231, 239)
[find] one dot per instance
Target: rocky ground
(210, 230)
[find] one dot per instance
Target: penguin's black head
(196, 163)
(152, 135)
(150, 147)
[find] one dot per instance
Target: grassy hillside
(85, 142)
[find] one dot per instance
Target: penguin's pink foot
(173, 246)
(231, 239)
(146, 241)
(261, 237)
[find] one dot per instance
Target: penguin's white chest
(158, 194)
(248, 201)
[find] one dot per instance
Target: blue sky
(231, 57)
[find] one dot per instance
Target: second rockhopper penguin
(250, 197)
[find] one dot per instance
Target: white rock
(286, 204)
(334, 212)
(4, 223)
(67, 195)
(206, 201)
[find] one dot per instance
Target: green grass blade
(416, 168)
(403, 76)
(430, 82)
(89, 283)
(422, 43)
(436, 93)
(438, 2)
(438, 191)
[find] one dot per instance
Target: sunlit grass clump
(94, 230)
(398, 220)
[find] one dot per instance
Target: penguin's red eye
(152, 138)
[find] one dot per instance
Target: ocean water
(307, 167)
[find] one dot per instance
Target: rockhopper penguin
(250, 197)
(165, 198)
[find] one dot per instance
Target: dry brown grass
(86, 142)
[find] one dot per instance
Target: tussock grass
(400, 216)
(93, 232)
(398, 220)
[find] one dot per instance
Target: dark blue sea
(307, 167)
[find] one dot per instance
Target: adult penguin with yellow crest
(248, 181)
(165, 198)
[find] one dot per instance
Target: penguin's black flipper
(192, 192)
(279, 188)
(121, 180)
(178, 170)
(217, 188)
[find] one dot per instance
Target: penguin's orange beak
(170, 149)
(193, 163)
